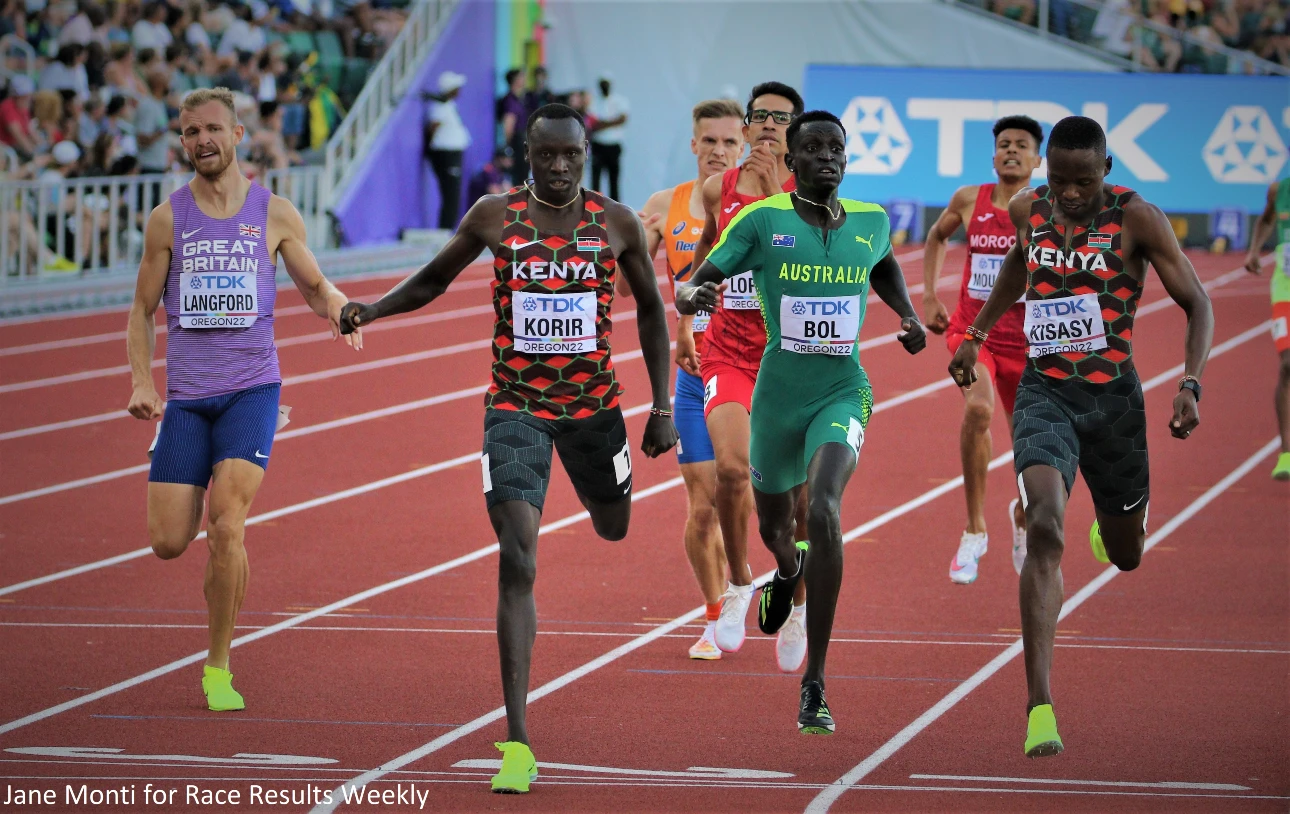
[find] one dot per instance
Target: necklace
(533, 192)
(833, 215)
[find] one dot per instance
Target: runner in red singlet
(990, 234)
(733, 347)
(674, 219)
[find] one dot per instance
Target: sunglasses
(759, 116)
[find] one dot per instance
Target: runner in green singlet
(1276, 218)
(813, 258)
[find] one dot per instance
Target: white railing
(385, 86)
(65, 229)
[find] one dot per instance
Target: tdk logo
(222, 282)
(828, 308)
(554, 305)
(878, 144)
(1058, 309)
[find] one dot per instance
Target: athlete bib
(984, 274)
(554, 323)
(824, 325)
(700, 322)
(741, 293)
(1065, 325)
(218, 299)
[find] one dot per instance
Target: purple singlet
(219, 300)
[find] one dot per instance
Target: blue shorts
(687, 413)
(196, 434)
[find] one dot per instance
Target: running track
(367, 648)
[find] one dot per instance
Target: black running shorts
(1102, 428)
(517, 456)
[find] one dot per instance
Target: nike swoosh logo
(732, 207)
(954, 566)
(985, 217)
(517, 246)
(258, 455)
(186, 235)
(1037, 234)
(1134, 503)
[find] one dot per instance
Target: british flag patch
(246, 230)
(1099, 240)
(589, 244)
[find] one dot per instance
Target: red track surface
(1171, 682)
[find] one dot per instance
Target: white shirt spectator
(195, 35)
(1111, 26)
(268, 90)
(57, 76)
(78, 31)
(450, 134)
(605, 108)
(241, 36)
(150, 35)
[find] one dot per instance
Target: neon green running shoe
(220, 695)
(1042, 739)
(1095, 542)
(1282, 470)
(519, 768)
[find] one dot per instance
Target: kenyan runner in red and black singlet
(1083, 247)
(557, 249)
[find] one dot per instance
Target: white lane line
(663, 630)
(323, 426)
(1168, 784)
(327, 373)
(287, 342)
(830, 795)
(284, 511)
(300, 619)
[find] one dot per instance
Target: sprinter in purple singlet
(210, 252)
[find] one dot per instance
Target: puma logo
(868, 242)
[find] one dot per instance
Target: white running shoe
(734, 609)
(706, 647)
(790, 645)
(1018, 537)
(971, 549)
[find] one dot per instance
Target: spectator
(151, 30)
(268, 148)
(243, 77)
(242, 34)
(446, 140)
(540, 94)
(610, 111)
(92, 122)
(1156, 50)
(512, 115)
(67, 72)
(117, 25)
(120, 123)
(73, 109)
(1022, 11)
(492, 178)
(152, 124)
(47, 117)
(13, 18)
(119, 76)
(1112, 27)
(16, 129)
(79, 30)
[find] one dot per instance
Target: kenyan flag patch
(1099, 240)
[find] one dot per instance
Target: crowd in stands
(109, 76)
(1169, 35)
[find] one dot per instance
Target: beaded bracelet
(659, 411)
(973, 333)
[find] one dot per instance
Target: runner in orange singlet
(733, 347)
(990, 234)
(673, 218)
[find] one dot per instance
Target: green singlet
(814, 286)
(1281, 275)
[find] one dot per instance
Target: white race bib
(700, 322)
(983, 274)
(825, 325)
(554, 323)
(218, 299)
(741, 293)
(1065, 325)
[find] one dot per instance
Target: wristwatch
(1190, 383)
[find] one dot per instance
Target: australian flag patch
(783, 241)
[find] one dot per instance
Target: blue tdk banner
(1188, 143)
